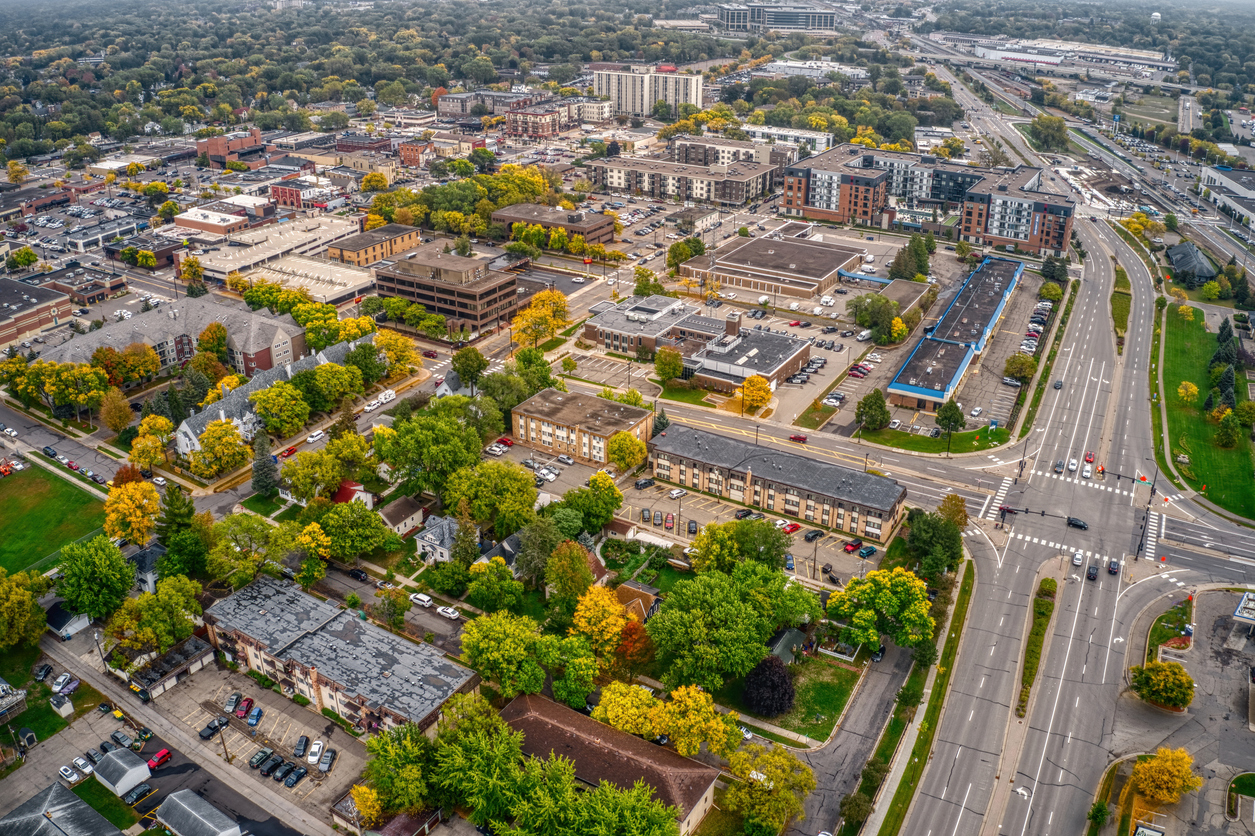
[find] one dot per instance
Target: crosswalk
(1060, 547)
(1086, 482)
(992, 513)
(1154, 523)
(439, 367)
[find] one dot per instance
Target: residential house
(145, 562)
(64, 623)
(350, 491)
(403, 516)
(56, 811)
(436, 540)
(641, 600)
(508, 550)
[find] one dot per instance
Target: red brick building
(239, 146)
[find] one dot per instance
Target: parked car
(879, 654)
(813, 535)
(676, 493)
(244, 707)
(232, 703)
(70, 688)
(272, 763)
(119, 737)
(670, 524)
(61, 682)
(284, 771)
(95, 755)
(866, 552)
(788, 562)
(43, 672)
(254, 716)
(853, 546)
(83, 766)
(328, 758)
(791, 527)
(449, 613)
(742, 513)
(565, 459)
(295, 777)
(359, 575)
(69, 775)
(159, 758)
(302, 746)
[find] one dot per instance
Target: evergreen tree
(174, 402)
(265, 471)
(465, 548)
(195, 290)
(197, 385)
(1227, 380)
(176, 513)
(903, 265)
(661, 422)
(346, 424)
(157, 405)
(1228, 398)
(1210, 403)
(1226, 331)
(918, 254)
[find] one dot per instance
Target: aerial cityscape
(575, 419)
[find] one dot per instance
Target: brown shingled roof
(602, 753)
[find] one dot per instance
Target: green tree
(502, 647)
(1170, 222)
(465, 549)
(353, 530)
(265, 471)
(424, 451)
(481, 771)
(597, 503)
(872, 412)
(392, 605)
(213, 340)
(493, 586)
(311, 572)
(1051, 292)
(668, 364)
(537, 540)
(1230, 431)
(155, 622)
(625, 451)
(500, 495)
(1022, 367)
(281, 407)
(22, 620)
(1051, 132)
(470, 365)
(96, 577)
(366, 359)
(1163, 683)
(400, 766)
(885, 602)
(773, 784)
(567, 573)
(949, 419)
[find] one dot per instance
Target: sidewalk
(89, 667)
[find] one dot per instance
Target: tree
(1100, 812)
(625, 451)
(222, 450)
(537, 540)
(755, 392)
(953, 508)
(366, 800)
(1022, 367)
(312, 474)
(634, 652)
(312, 570)
(545, 316)
(871, 411)
(567, 572)
(465, 549)
(668, 364)
(596, 503)
(392, 605)
(353, 530)
(1051, 292)
(115, 410)
(898, 330)
(773, 784)
(950, 418)
(856, 807)
(886, 602)
(374, 182)
(470, 365)
(399, 763)
(96, 577)
(131, 511)
(1211, 291)
(501, 646)
(1051, 132)
(398, 350)
(689, 718)
(661, 421)
(424, 451)
(599, 618)
(22, 620)
(1167, 776)
(1187, 392)
(213, 340)
(265, 471)
(1163, 683)
(281, 407)
(17, 172)
(500, 494)
(493, 586)
(628, 709)
(1170, 222)
(481, 770)
(1230, 430)
(769, 688)
(962, 250)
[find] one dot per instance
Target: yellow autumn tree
(314, 541)
(690, 718)
(131, 511)
(755, 392)
(599, 617)
(367, 802)
(1167, 776)
(627, 708)
(897, 330)
(398, 348)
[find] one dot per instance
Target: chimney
(732, 324)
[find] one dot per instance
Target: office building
(802, 263)
(596, 229)
(366, 248)
(29, 310)
(464, 290)
(238, 146)
(715, 150)
(634, 89)
(765, 17)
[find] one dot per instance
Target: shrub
(300, 700)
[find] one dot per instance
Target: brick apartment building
(238, 146)
(376, 245)
(999, 206)
(300, 194)
(576, 424)
(354, 141)
(464, 290)
(29, 310)
(497, 103)
(729, 185)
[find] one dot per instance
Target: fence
(49, 562)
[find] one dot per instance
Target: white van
(870, 259)
(387, 395)
(826, 302)
(420, 599)
(818, 310)
(317, 435)
(864, 336)
(793, 306)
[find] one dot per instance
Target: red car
(71, 465)
(791, 527)
(159, 758)
(430, 355)
(1089, 456)
(245, 706)
(801, 439)
(670, 522)
(291, 451)
(505, 442)
(795, 323)
(857, 374)
(853, 545)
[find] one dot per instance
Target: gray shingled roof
(384, 669)
(247, 331)
(117, 765)
(187, 814)
(145, 560)
(56, 811)
(781, 467)
(440, 531)
(508, 550)
(1185, 256)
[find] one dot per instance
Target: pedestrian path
(1059, 547)
(1086, 482)
(1153, 525)
(992, 513)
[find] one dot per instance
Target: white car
(1072, 465)
(159, 481)
(372, 406)
(977, 411)
(495, 450)
(1078, 559)
(548, 475)
(780, 523)
(449, 613)
(10, 432)
(317, 435)
(63, 460)
(577, 280)
(69, 774)
(84, 766)
(315, 752)
(676, 493)
(1087, 471)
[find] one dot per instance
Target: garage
(122, 771)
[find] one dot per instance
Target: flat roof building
(730, 185)
(800, 265)
(596, 229)
(251, 249)
(634, 89)
(326, 281)
(29, 309)
(576, 424)
(464, 290)
(779, 481)
(375, 245)
(216, 223)
(371, 677)
(935, 368)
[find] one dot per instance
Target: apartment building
(576, 424)
(715, 150)
(816, 141)
(549, 119)
(372, 678)
(464, 290)
(303, 193)
(354, 141)
(497, 103)
(1002, 207)
(367, 248)
(635, 89)
(596, 229)
(728, 185)
(812, 490)
(765, 17)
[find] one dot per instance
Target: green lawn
(103, 801)
(720, 822)
(1244, 784)
(982, 439)
(667, 577)
(689, 396)
(264, 505)
(823, 688)
(1160, 110)
(41, 514)
(1121, 303)
(289, 513)
(1226, 472)
(551, 344)
(1168, 626)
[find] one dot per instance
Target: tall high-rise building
(635, 89)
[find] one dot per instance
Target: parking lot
(809, 558)
(617, 374)
(282, 723)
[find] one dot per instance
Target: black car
(743, 513)
(359, 575)
(107, 747)
(273, 763)
(137, 795)
(1113, 568)
(328, 758)
(295, 776)
(261, 757)
(692, 527)
(302, 746)
(641, 484)
(50, 453)
(813, 535)
(1092, 573)
(879, 654)
(42, 672)
(284, 771)
(1074, 522)
(645, 515)
(95, 756)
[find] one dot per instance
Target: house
(1186, 258)
(369, 676)
(601, 753)
(12, 701)
(641, 600)
(56, 811)
(786, 643)
(145, 562)
(452, 385)
(121, 771)
(187, 814)
(435, 541)
(402, 516)
(64, 623)
(508, 550)
(344, 816)
(351, 491)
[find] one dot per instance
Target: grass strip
(1104, 795)
(895, 817)
(1044, 377)
(1167, 627)
(1121, 304)
(695, 397)
(103, 801)
(1043, 609)
(1156, 405)
(971, 441)
(1137, 247)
